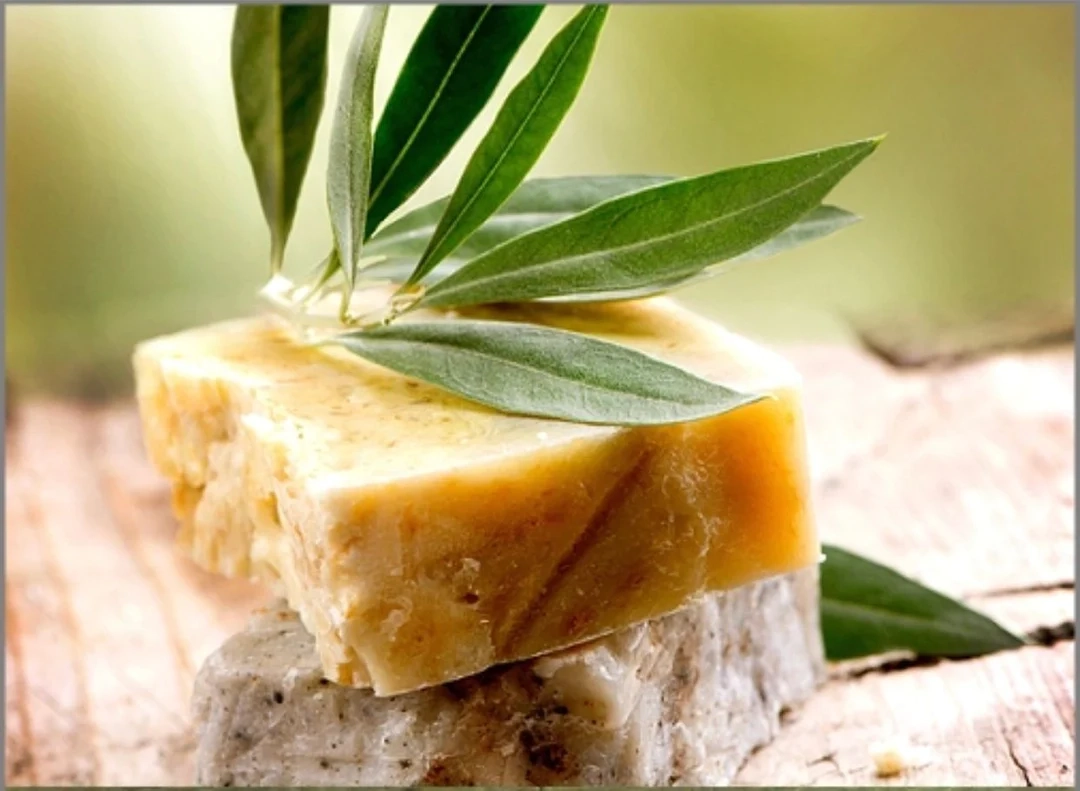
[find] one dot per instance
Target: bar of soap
(681, 700)
(423, 538)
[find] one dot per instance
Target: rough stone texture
(681, 700)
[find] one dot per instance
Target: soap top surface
(345, 420)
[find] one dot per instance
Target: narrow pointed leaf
(521, 130)
(349, 173)
(397, 270)
(506, 224)
(530, 370)
(821, 222)
(450, 73)
(534, 204)
(868, 609)
(653, 236)
(326, 269)
(279, 78)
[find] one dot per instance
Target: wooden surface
(961, 477)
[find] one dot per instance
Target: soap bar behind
(680, 700)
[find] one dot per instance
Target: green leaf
(326, 269)
(349, 174)
(536, 203)
(529, 370)
(653, 236)
(401, 248)
(397, 270)
(821, 222)
(868, 609)
(817, 224)
(279, 78)
(450, 73)
(525, 123)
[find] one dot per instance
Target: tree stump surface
(961, 476)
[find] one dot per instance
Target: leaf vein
(513, 141)
(431, 106)
(545, 266)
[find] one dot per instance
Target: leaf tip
(1017, 640)
(847, 219)
(277, 252)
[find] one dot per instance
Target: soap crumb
(888, 759)
(893, 757)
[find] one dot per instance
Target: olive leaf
(349, 172)
(526, 369)
(450, 73)
(400, 248)
(653, 236)
(278, 62)
(536, 203)
(398, 269)
(867, 608)
(819, 223)
(521, 130)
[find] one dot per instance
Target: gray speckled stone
(681, 700)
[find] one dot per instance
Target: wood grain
(961, 477)
(1004, 720)
(106, 623)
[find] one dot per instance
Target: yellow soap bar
(423, 538)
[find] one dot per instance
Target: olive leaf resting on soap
(546, 372)
(499, 237)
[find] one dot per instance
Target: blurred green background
(131, 210)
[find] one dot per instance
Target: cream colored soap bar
(680, 700)
(423, 538)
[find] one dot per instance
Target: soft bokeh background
(131, 210)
